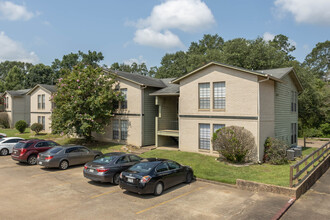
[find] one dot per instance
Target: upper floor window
(219, 95)
(41, 101)
(204, 95)
(6, 102)
(294, 101)
(123, 104)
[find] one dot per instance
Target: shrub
(234, 143)
(36, 127)
(4, 120)
(313, 132)
(275, 151)
(21, 126)
(325, 128)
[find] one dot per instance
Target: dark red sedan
(28, 150)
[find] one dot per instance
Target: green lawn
(207, 167)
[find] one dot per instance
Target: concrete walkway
(315, 204)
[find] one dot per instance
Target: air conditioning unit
(290, 154)
(297, 151)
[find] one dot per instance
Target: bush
(36, 127)
(325, 128)
(234, 143)
(312, 132)
(275, 151)
(21, 126)
(4, 120)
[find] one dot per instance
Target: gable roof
(137, 78)
(170, 89)
(227, 66)
(16, 93)
(49, 88)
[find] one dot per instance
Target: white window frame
(219, 95)
(204, 96)
(204, 136)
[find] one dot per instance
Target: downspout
(258, 151)
(142, 113)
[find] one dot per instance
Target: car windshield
(55, 150)
(105, 159)
(143, 167)
(21, 145)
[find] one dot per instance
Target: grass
(208, 167)
(104, 147)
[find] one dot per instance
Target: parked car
(65, 156)
(7, 145)
(28, 150)
(108, 167)
(2, 135)
(154, 176)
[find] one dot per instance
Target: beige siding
(283, 115)
(9, 109)
(34, 100)
(48, 121)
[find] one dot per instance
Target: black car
(154, 176)
(108, 167)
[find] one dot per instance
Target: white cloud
(13, 51)
(138, 60)
(184, 15)
(13, 12)
(306, 11)
(268, 36)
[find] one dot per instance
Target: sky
(127, 31)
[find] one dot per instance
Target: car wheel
(159, 188)
(64, 165)
(116, 179)
(189, 177)
(32, 160)
(4, 152)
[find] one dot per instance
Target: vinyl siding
(150, 112)
(283, 115)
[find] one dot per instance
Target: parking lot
(32, 192)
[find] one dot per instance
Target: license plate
(91, 170)
(40, 163)
(130, 180)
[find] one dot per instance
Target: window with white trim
(204, 95)
(219, 95)
(123, 129)
(41, 120)
(115, 129)
(41, 101)
(204, 136)
(123, 104)
(217, 127)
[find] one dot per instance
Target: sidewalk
(315, 204)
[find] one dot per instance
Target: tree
(85, 101)
(39, 74)
(141, 69)
(282, 42)
(209, 42)
(319, 59)
(8, 65)
(14, 79)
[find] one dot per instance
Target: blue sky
(144, 30)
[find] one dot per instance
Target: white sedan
(7, 144)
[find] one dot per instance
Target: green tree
(319, 59)
(14, 79)
(8, 65)
(85, 101)
(39, 74)
(132, 68)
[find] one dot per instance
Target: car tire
(189, 177)
(4, 152)
(116, 179)
(32, 160)
(64, 165)
(159, 188)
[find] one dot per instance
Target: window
(6, 102)
(41, 101)
(42, 144)
(115, 129)
(293, 101)
(173, 165)
(219, 95)
(41, 120)
(204, 95)
(293, 133)
(52, 144)
(123, 104)
(204, 136)
(11, 141)
(123, 129)
(162, 167)
(134, 158)
(217, 127)
(122, 160)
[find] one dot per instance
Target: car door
(163, 173)
(86, 155)
(9, 144)
(124, 162)
(42, 146)
(73, 155)
(177, 172)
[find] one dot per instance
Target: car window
(70, 150)
(142, 167)
(84, 150)
(52, 144)
(162, 167)
(55, 150)
(123, 159)
(42, 144)
(105, 159)
(12, 141)
(134, 158)
(173, 165)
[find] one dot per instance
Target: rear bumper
(106, 178)
(47, 164)
(140, 188)
(19, 158)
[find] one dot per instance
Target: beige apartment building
(41, 105)
(17, 106)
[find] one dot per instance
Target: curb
(216, 182)
(284, 209)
